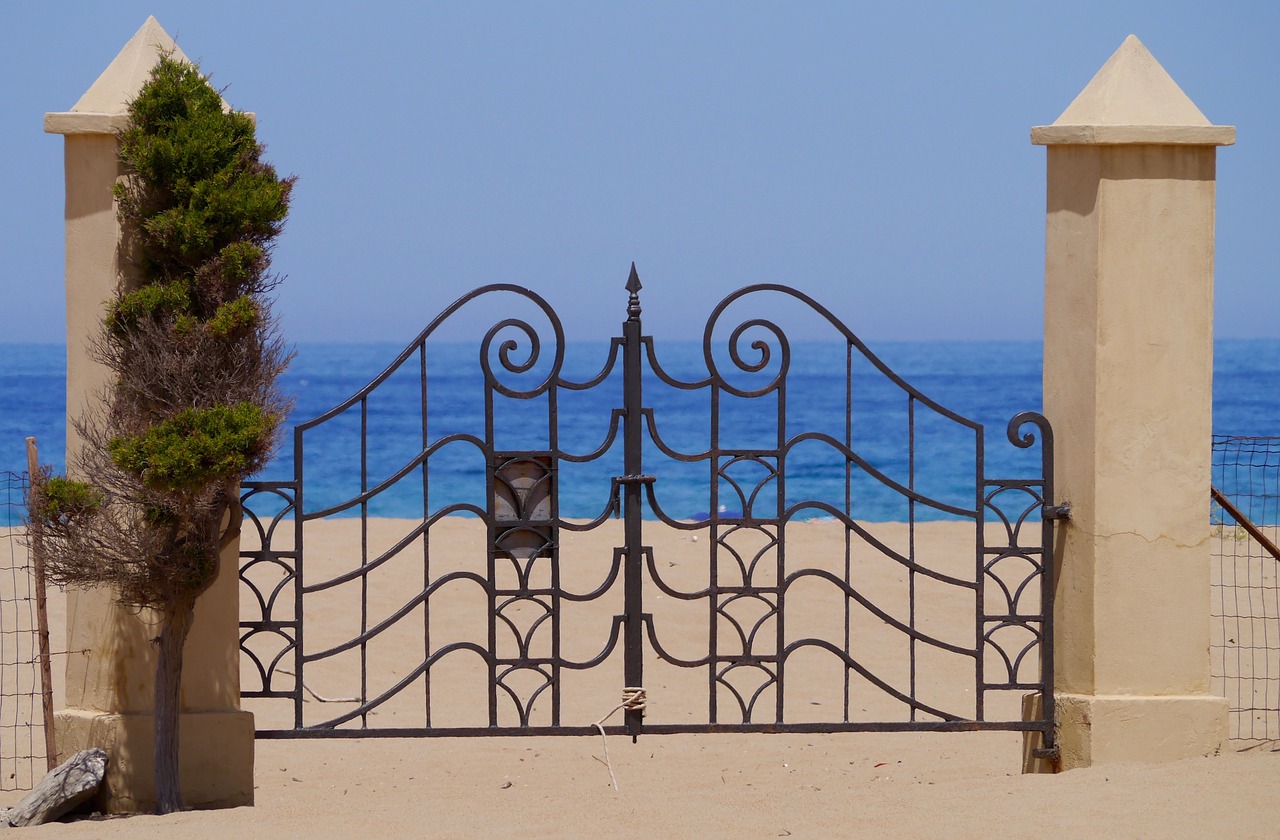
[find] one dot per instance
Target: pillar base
(215, 765)
(1113, 729)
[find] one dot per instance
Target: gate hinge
(1047, 753)
(1056, 512)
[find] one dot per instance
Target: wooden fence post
(36, 558)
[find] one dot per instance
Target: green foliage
(235, 317)
(201, 201)
(194, 403)
(153, 301)
(202, 209)
(185, 325)
(239, 264)
(195, 447)
(223, 204)
(63, 499)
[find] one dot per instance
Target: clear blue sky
(873, 154)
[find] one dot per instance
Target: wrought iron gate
(751, 605)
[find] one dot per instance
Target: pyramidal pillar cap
(104, 107)
(1132, 100)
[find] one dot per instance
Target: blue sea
(987, 382)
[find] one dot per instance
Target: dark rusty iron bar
(1244, 521)
(631, 482)
(657, 729)
(1049, 748)
(298, 572)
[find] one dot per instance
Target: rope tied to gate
(634, 699)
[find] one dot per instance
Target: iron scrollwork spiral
(515, 366)
(764, 355)
(1024, 440)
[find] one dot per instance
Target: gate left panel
(418, 575)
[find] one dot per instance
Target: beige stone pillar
(1128, 379)
(111, 669)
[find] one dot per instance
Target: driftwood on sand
(62, 790)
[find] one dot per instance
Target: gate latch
(619, 480)
(635, 479)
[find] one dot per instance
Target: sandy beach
(720, 785)
(717, 786)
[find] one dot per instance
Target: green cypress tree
(194, 407)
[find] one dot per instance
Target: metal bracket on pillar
(1056, 513)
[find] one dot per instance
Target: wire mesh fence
(22, 742)
(1245, 640)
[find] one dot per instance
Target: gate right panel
(912, 593)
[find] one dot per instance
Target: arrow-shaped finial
(633, 286)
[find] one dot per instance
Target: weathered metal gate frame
(635, 626)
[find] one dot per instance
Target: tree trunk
(176, 623)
